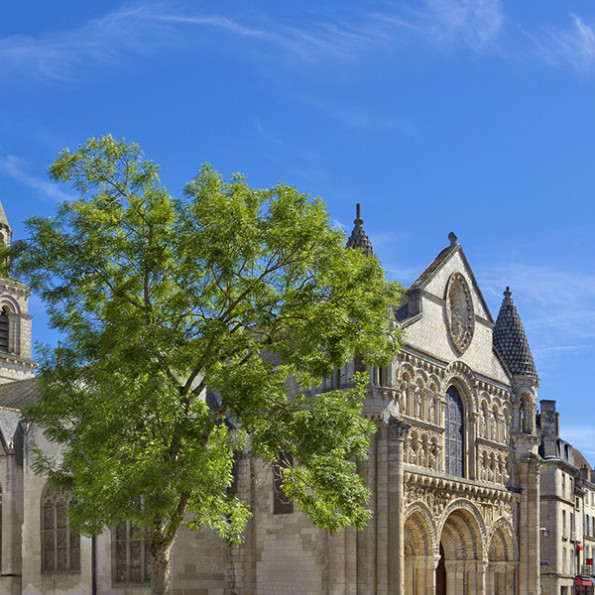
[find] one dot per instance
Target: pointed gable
(510, 340)
(446, 316)
(440, 262)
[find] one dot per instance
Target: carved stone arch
(474, 521)
(503, 528)
(421, 376)
(10, 303)
(433, 380)
(461, 376)
(420, 527)
(9, 325)
(405, 371)
(501, 557)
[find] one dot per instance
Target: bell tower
(15, 321)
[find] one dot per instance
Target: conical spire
(358, 237)
(5, 229)
(510, 340)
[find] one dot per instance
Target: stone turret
(15, 322)
(512, 346)
(358, 237)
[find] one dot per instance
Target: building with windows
(455, 472)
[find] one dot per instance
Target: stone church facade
(454, 472)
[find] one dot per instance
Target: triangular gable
(436, 266)
(434, 328)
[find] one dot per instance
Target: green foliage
(229, 289)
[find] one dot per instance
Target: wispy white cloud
(557, 306)
(14, 168)
(573, 44)
(144, 27)
(63, 54)
(474, 22)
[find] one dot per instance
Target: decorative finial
(358, 214)
(453, 238)
(507, 293)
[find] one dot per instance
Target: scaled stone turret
(510, 340)
(358, 237)
(512, 346)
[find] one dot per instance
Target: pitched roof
(510, 340)
(15, 394)
(358, 237)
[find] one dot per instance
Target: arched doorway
(460, 569)
(419, 558)
(502, 565)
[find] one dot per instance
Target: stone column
(481, 570)
(11, 498)
(396, 560)
(366, 539)
(382, 510)
(453, 585)
(472, 455)
(529, 470)
(336, 566)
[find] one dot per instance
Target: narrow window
(60, 546)
(454, 433)
(281, 504)
(4, 329)
(131, 559)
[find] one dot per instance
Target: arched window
(454, 433)
(130, 563)
(4, 329)
(61, 550)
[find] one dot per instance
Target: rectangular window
(61, 550)
(281, 504)
(130, 559)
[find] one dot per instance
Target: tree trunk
(160, 554)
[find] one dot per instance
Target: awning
(583, 582)
(579, 547)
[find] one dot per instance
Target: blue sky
(472, 116)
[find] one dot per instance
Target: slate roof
(510, 340)
(429, 271)
(15, 394)
(358, 237)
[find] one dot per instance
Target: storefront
(583, 586)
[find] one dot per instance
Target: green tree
(229, 290)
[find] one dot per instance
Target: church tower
(15, 322)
